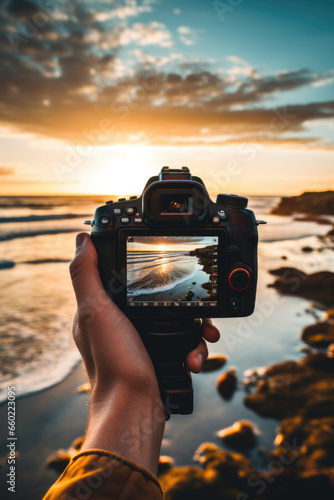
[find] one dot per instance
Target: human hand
(124, 388)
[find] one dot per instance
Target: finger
(84, 272)
(195, 358)
(210, 331)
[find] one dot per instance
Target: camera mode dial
(232, 200)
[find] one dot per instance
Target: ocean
(152, 273)
(37, 306)
(36, 298)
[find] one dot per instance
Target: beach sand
(53, 418)
(46, 421)
(179, 291)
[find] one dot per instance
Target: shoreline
(46, 421)
(19, 397)
(52, 417)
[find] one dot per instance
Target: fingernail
(200, 359)
(80, 240)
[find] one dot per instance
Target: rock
(231, 476)
(307, 249)
(294, 388)
(83, 387)
(310, 442)
(4, 460)
(77, 443)
(227, 384)
(305, 349)
(204, 256)
(188, 296)
(318, 287)
(60, 459)
(224, 475)
(239, 436)
(330, 314)
(6, 264)
(307, 203)
(330, 351)
(214, 362)
(165, 464)
(313, 218)
(320, 334)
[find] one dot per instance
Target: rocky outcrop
(318, 287)
(240, 436)
(227, 384)
(308, 203)
(292, 388)
(320, 334)
(214, 362)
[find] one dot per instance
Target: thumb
(84, 272)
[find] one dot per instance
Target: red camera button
(239, 279)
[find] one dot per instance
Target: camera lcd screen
(172, 271)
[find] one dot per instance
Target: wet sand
(46, 421)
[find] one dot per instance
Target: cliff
(318, 203)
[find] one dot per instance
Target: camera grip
(168, 345)
(104, 245)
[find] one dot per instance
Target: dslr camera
(171, 257)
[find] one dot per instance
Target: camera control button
(130, 210)
(216, 219)
(138, 220)
(133, 197)
(234, 253)
(104, 221)
(232, 200)
(125, 220)
(239, 279)
(222, 214)
(233, 305)
(118, 211)
(109, 202)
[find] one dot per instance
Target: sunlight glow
(125, 171)
(162, 248)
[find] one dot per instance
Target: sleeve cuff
(101, 475)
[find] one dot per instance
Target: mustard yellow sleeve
(101, 475)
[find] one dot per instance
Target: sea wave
(156, 281)
(32, 234)
(38, 376)
(45, 261)
(41, 218)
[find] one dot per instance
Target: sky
(96, 96)
(168, 243)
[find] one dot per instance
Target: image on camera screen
(172, 271)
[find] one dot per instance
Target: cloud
(187, 35)
(153, 33)
(129, 10)
(19, 8)
(71, 75)
(236, 60)
(149, 60)
(7, 171)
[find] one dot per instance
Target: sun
(162, 248)
(121, 169)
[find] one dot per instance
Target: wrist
(129, 421)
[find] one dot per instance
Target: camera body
(173, 255)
